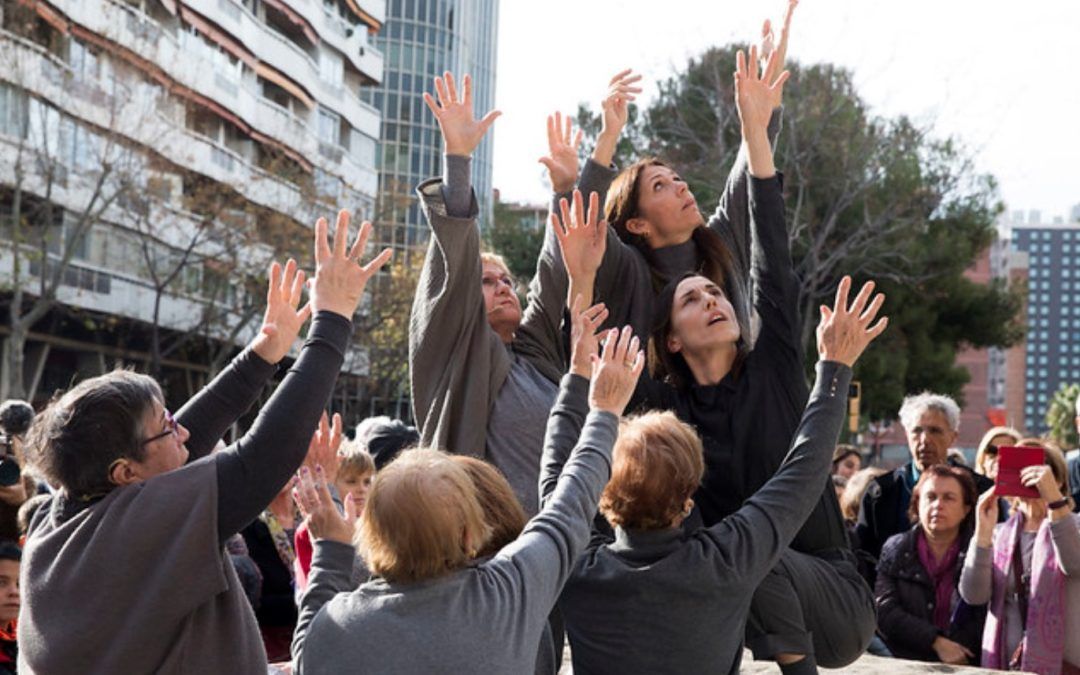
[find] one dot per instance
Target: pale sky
(1004, 76)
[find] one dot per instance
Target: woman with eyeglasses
(125, 569)
(986, 457)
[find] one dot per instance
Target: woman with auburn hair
(504, 516)
(125, 569)
(1028, 570)
(695, 584)
(920, 614)
(986, 457)
(431, 609)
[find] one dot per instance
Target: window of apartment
(327, 185)
(331, 68)
(363, 148)
(329, 127)
(13, 111)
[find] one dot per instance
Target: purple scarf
(1044, 638)
(942, 574)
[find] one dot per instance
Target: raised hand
(562, 158)
(755, 95)
(582, 240)
(584, 342)
(769, 46)
(1041, 477)
(461, 131)
(324, 445)
(615, 107)
(986, 516)
(339, 277)
(843, 333)
(282, 320)
(312, 497)
(615, 372)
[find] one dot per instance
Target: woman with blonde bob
(986, 457)
(430, 607)
(1028, 570)
(696, 585)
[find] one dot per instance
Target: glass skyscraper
(422, 39)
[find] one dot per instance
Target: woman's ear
(674, 345)
(122, 473)
(639, 226)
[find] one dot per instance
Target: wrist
(461, 151)
(262, 347)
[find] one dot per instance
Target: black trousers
(817, 605)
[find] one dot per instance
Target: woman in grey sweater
(695, 587)
(431, 609)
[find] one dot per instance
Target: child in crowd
(355, 471)
(10, 557)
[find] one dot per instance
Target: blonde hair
(855, 489)
(988, 437)
(354, 460)
(493, 258)
(422, 518)
(1055, 459)
(502, 512)
(657, 463)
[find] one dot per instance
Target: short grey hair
(915, 406)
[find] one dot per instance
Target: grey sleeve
(977, 577)
(457, 189)
(1065, 534)
(539, 561)
(563, 431)
(251, 471)
(775, 286)
(751, 540)
(331, 570)
(210, 413)
(731, 220)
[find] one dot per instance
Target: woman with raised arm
(661, 231)
(1027, 571)
(432, 607)
(483, 375)
(125, 569)
(660, 598)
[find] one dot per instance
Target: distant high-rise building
(422, 39)
(1052, 348)
(1074, 214)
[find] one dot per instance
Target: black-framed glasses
(992, 450)
(172, 428)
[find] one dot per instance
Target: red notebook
(1011, 459)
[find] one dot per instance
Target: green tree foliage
(516, 239)
(873, 197)
(1061, 416)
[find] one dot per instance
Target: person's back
(673, 581)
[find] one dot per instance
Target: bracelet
(1053, 506)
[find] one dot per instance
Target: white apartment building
(160, 152)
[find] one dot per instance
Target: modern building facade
(1052, 347)
(422, 39)
(175, 148)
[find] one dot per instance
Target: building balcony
(351, 41)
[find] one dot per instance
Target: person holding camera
(15, 487)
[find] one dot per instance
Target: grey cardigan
(669, 601)
(487, 618)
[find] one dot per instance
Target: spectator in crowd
(1073, 460)
(931, 422)
(350, 469)
(383, 438)
(27, 511)
(16, 486)
(125, 568)
(920, 613)
(431, 608)
(839, 484)
(696, 586)
(846, 461)
(986, 456)
(1028, 570)
(853, 494)
(10, 557)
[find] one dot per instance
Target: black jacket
(884, 508)
(905, 599)
(1074, 481)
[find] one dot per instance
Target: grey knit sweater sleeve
(563, 430)
(457, 364)
(751, 540)
(541, 558)
(331, 570)
(731, 220)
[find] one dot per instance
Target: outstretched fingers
(360, 244)
(341, 233)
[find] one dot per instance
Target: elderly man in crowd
(931, 422)
(1073, 460)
